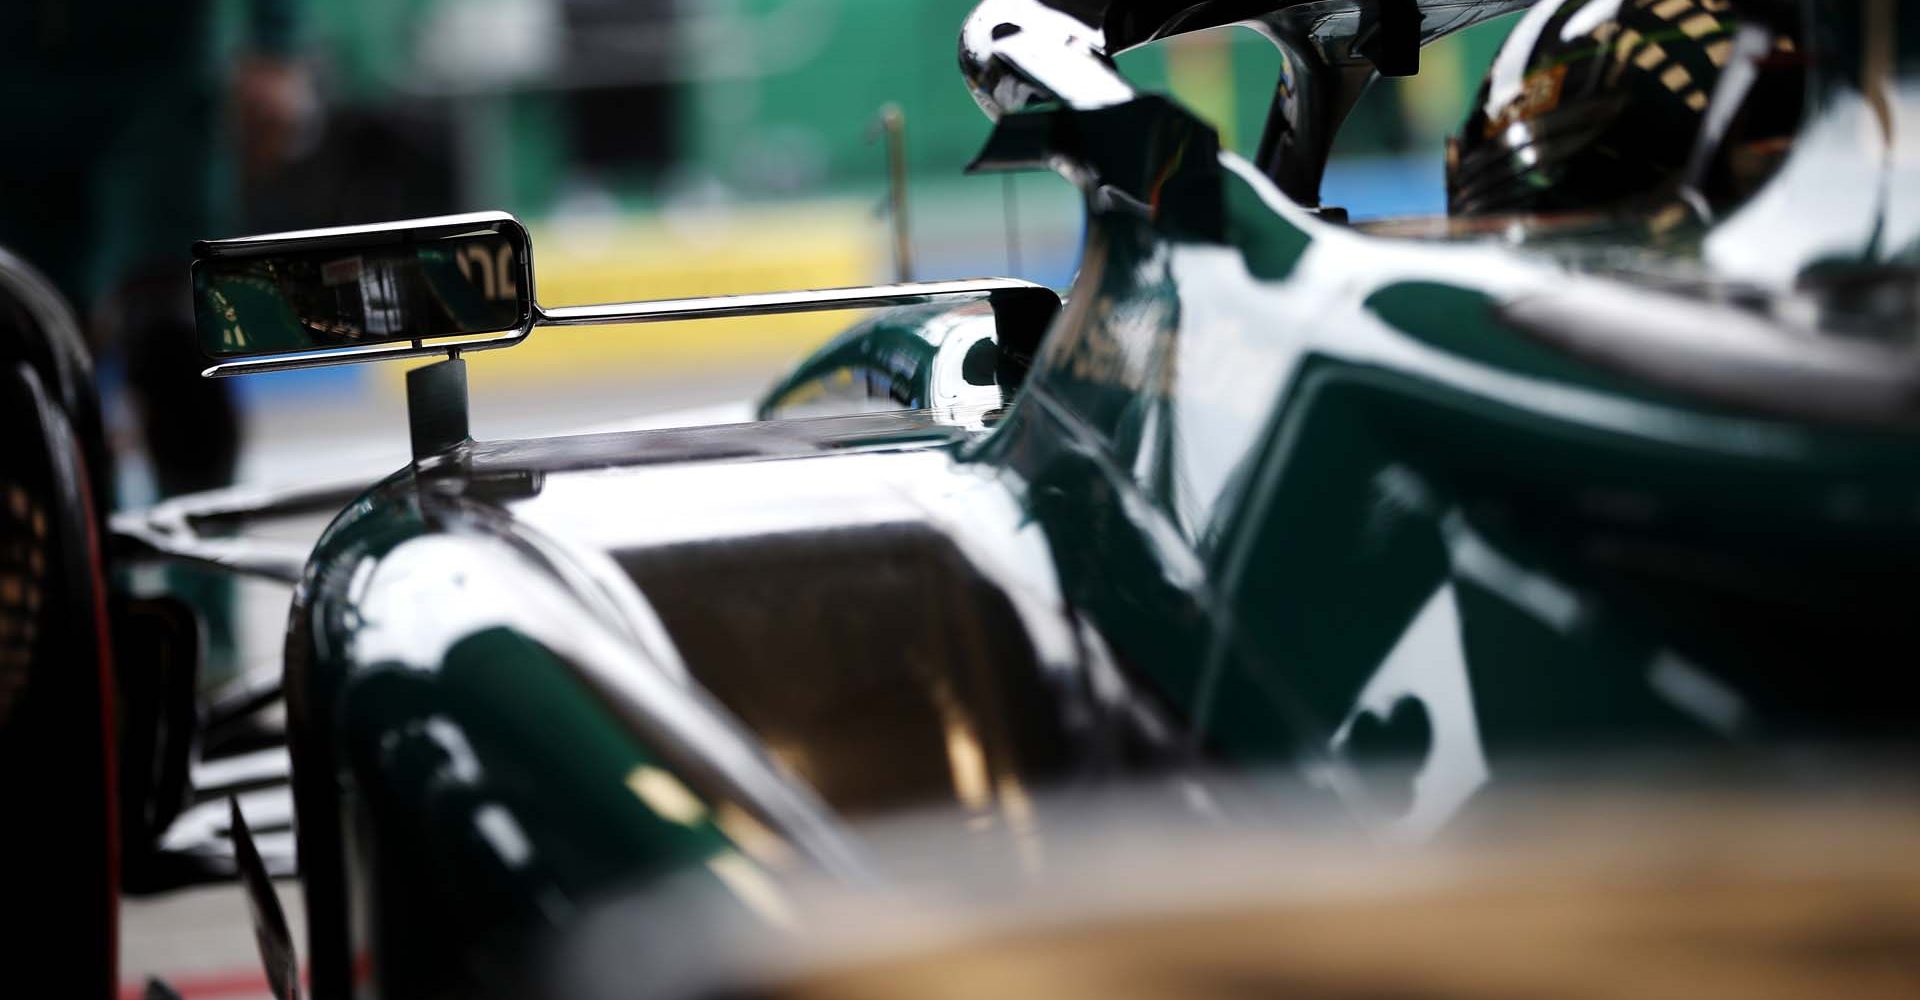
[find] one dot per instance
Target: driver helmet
(1590, 104)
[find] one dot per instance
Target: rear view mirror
(349, 294)
(456, 283)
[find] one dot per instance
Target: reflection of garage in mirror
(374, 286)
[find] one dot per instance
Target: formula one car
(1389, 508)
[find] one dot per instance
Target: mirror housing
(360, 293)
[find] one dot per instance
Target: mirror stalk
(437, 407)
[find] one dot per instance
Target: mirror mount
(437, 407)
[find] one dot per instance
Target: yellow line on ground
(822, 245)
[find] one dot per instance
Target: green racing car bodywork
(1272, 494)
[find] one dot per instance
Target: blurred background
(656, 148)
(673, 147)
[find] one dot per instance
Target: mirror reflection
(344, 295)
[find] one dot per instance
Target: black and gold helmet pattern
(1589, 104)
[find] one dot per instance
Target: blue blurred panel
(1382, 186)
(342, 382)
(307, 385)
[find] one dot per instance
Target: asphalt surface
(200, 941)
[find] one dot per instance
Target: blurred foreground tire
(59, 850)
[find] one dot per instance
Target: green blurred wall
(777, 97)
(874, 51)
(819, 110)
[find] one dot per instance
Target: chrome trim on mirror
(358, 355)
(403, 231)
(776, 303)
